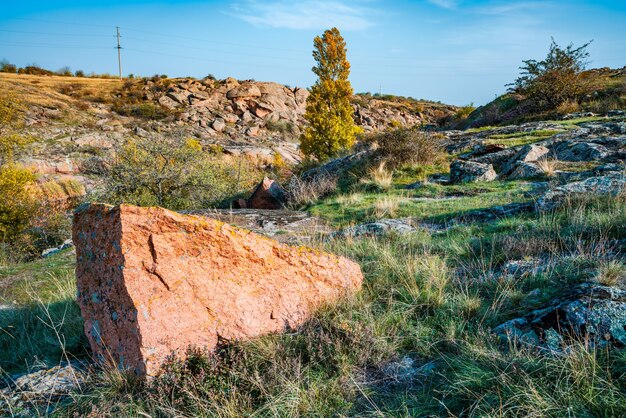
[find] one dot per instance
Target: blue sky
(455, 51)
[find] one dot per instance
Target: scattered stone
(40, 392)
(482, 149)
(578, 115)
(590, 312)
(288, 226)
(494, 213)
(470, 171)
(218, 124)
(267, 195)
(610, 168)
(610, 184)
(337, 166)
(523, 268)
(580, 151)
(374, 229)
(51, 251)
(404, 371)
(523, 170)
(152, 282)
(527, 154)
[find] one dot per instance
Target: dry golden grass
(48, 90)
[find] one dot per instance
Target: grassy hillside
(607, 92)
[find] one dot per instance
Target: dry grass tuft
(378, 178)
(305, 192)
(548, 166)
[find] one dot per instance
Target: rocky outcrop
(609, 184)
(152, 282)
(590, 312)
(249, 108)
(471, 171)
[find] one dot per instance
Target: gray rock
(610, 184)
(526, 154)
(218, 124)
(577, 115)
(40, 392)
(470, 171)
(336, 167)
(282, 225)
(590, 312)
(524, 170)
(51, 251)
(580, 151)
(374, 229)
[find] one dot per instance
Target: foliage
(10, 140)
(174, 174)
(328, 110)
(408, 146)
(556, 79)
(464, 111)
(7, 67)
(148, 111)
(64, 71)
(34, 69)
(18, 199)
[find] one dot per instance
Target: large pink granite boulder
(152, 283)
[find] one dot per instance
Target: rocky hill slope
(74, 118)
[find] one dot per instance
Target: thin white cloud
(446, 4)
(307, 14)
(511, 8)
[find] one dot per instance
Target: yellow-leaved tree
(328, 110)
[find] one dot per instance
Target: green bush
(408, 146)
(34, 70)
(18, 200)
(174, 174)
(556, 79)
(7, 67)
(148, 111)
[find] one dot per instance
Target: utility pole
(119, 52)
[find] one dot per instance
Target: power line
(57, 34)
(63, 23)
(43, 45)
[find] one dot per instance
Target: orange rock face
(152, 283)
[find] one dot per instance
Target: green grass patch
(425, 203)
(41, 323)
(431, 299)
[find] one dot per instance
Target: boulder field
(152, 283)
